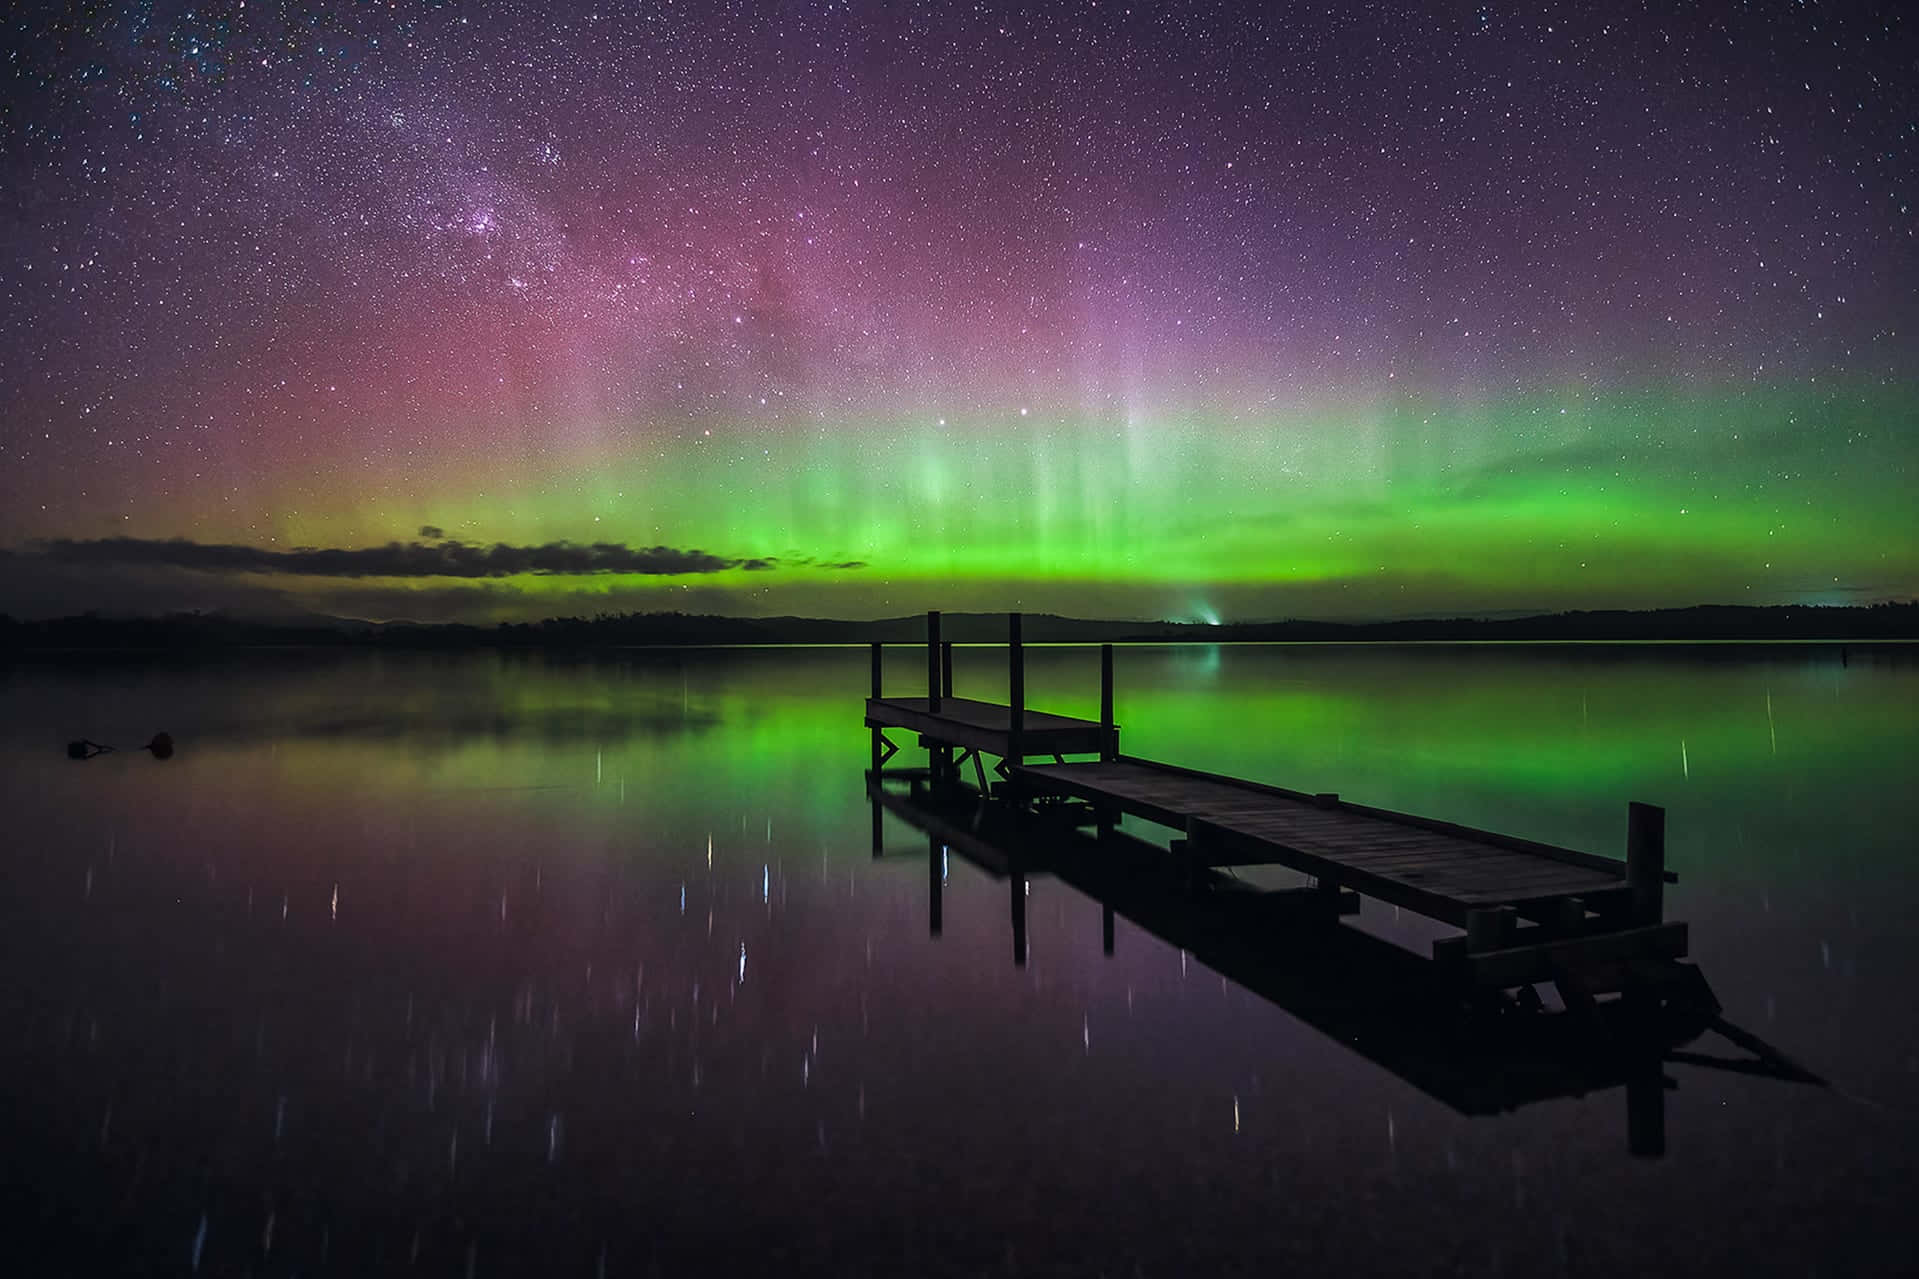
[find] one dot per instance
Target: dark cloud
(432, 532)
(397, 559)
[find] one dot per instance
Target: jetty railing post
(933, 661)
(1646, 881)
(1108, 739)
(936, 756)
(876, 744)
(946, 669)
(1015, 689)
(1646, 861)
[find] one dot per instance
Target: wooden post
(1015, 689)
(1646, 861)
(1108, 739)
(1192, 849)
(935, 904)
(876, 748)
(933, 661)
(1646, 1108)
(1106, 929)
(946, 669)
(1018, 880)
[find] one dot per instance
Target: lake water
(494, 964)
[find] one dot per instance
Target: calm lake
(583, 964)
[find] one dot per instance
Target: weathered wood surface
(985, 726)
(1435, 868)
(1549, 960)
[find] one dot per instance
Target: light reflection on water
(449, 956)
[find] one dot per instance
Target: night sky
(393, 310)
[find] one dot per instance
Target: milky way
(1154, 310)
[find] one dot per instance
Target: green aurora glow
(1387, 507)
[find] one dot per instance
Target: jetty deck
(1436, 868)
(984, 726)
(1009, 731)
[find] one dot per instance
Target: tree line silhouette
(175, 631)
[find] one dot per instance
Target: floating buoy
(161, 746)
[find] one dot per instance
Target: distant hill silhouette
(213, 630)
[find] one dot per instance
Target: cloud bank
(405, 559)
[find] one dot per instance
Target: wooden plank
(1470, 868)
(1497, 888)
(1444, 864)
(1513, 887)
(1361, 847)
(1519, 965)
(1514, 883)
(1469, 874)
(1421, 854)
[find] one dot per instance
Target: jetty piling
(935, 883)
(1646, 861)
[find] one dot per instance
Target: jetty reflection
(1478, 1052)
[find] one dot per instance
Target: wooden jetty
(1380, 1001)
(1530, 912)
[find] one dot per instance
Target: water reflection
(545, 963)
(1476, 1053)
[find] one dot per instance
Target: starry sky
(857, 308)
